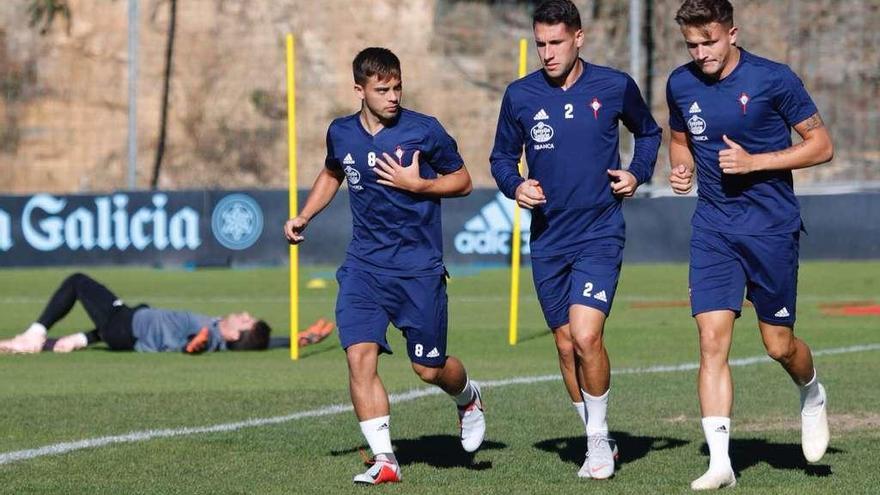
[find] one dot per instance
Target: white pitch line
(139, 436)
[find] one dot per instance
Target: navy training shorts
(765, 266)
(587, 277)
(368, 302)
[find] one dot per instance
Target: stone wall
(63, 95)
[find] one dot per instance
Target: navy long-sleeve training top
(571, 139)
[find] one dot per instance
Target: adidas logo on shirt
(782, 313)
(541, 115)
(695, 108)
(489, 232)
(601, 296)
(348, 160)
(434, 353)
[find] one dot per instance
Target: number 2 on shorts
(588, 289)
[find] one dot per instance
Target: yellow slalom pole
(516, 235)
(292, 200)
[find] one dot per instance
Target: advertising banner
(144, 228)
(241, 228)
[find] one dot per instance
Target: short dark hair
(704, 12)
(557, 11)
(255, 339)
(375, 61)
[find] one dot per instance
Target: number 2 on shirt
(569, 111)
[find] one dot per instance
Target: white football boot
(472, 422)
(584, 471)
(715, 479)
(28, 342)
(381, 471)
(814, 429)
(70, 343)
(600, 458)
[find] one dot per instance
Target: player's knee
(76, 278)
(356, 354)
(712, 350)
(565, 348)
(713, 343)
(588, 342)
(780, 350)
(359, 359)
(427, 374)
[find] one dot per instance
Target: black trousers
(111, 317)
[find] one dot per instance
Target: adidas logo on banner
(695, 108)
(782, 313)
(541, 115)
(434, 353)
(348, 160)
(601, 296)
(489, 231)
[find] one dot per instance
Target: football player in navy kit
(566, 116)
(398, 164)
(731, 114)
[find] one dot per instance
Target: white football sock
(596, 409)
(35, 330)
(811, 396)
(582, 412)
(717, 431)
(467, 394)
(378, 434)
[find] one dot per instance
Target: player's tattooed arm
(813, 122)
(787, 151)
(814, 149)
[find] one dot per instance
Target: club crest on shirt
(743, 101)
(398, 152)
(596, 105)
(696, 125)
(354, 177)
(541, 132)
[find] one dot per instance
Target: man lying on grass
(140, 328)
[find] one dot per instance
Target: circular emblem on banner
(696, 125)
(237, 221)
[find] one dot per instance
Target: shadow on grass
(284, 343)
(746, 453)
(572, 449)
(537, 335)
(439, 451)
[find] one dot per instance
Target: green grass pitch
(534, 442)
